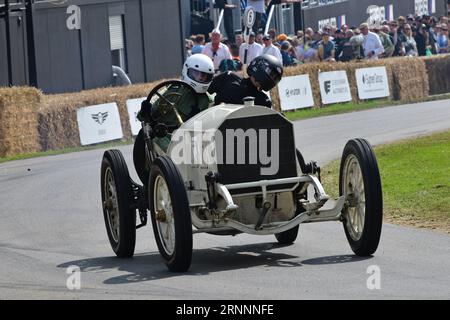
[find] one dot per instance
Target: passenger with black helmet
(264, 73)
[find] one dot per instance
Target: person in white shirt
(216, 50)
(372, 44)
(270, 49)
(253, 50)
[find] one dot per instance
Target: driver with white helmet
(197, 73)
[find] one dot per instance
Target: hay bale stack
(410, 78)
(438, 68)
(58, 126)
(18, 120)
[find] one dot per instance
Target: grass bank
(415, 176)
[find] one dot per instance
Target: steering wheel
(163, 100)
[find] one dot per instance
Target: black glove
(145, 114)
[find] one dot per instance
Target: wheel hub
(161, 216)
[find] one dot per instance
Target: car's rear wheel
(360, 183)
(170, 214)
(140, 158)
(117, 197)
(287, 237)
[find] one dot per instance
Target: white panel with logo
(99, 123)
(372, 83)
(334, 87)
(295, 92)
(133, 107)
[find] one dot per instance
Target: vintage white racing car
(243, 174)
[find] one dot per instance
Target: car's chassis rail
(324, 209)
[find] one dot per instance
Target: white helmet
(198, 72)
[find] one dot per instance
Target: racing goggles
(199, 76)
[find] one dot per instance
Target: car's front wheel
(360, 183)
(170, 214)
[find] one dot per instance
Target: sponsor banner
(133, 107)
(295, 92)
(376, 15)
(99, 123)
(421, 7)
(372, 83)
(334, 87)
(327, 22)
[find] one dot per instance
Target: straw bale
(438, 68)
(18, 120)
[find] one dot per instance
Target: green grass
(351, 107)
(63, 151)
(415, 177)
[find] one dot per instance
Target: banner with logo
(99, 123)
(133, 107)
(334, 87)
(372, 83)
(295, 92)
(421, 7)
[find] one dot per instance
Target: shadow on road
(335, 260)
(150, 266)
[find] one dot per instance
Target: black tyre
(117, 198)
(140, 158)
(287, 237)
(170, 214)
(359, 181)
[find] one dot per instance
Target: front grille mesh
(239, 173)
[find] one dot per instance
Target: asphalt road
(51, 218)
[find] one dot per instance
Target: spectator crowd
(408, 36)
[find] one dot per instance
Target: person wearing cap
(326, 48)
(216, 50)
(372, 45)
(443, 39)
(270, 49)
(432, 37)
(421, 39)
(398, 38)
(251, 50)
(383, 33)
(285, 50)
(281, 38)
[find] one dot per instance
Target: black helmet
(267, 71)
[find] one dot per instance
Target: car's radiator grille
(231, 172)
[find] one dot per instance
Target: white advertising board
(295, 92)
(133, 107)
(334, 87)
(372, 83)
(99, 123)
